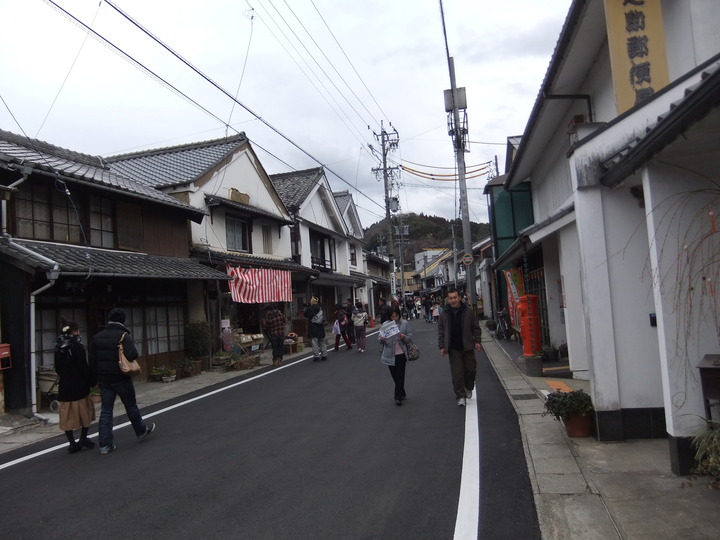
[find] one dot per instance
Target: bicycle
(502, 331)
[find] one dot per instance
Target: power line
(350, 62)
(208, 79)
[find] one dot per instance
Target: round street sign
(467, 259)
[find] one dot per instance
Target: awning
(72, 260)
(259, 285)
(337, 279)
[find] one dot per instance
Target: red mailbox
(5, 361)
(528, 309)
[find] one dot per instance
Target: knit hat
(116, 315)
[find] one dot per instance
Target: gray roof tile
(294, 187)
(94, 261)
(19, 151)
(182, 164)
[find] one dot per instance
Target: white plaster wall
(569, 257)
(597, 299)
(315, 211)
(687, 311)
(551, 264)
(636, 342)
(691, 27)
(551, 184)
(599, 85)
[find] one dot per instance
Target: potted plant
(573, 408)
(707, 455)
(163, 373)
(185, 366)
(197, 343)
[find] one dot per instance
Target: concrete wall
(682, 253)
(636, 342)
(569, 257)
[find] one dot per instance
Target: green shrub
(707, 443)
(564, 404)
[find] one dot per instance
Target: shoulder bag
(413, 353)
(126, 366)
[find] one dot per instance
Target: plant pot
(533, 366)
(552, 355)
(198, 365)
(578, 426)
(169, 378)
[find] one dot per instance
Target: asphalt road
(306, 451)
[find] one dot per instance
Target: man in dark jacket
(316, 330)
(112, 381)
(459, 336)
(384, 310)
(274, 326)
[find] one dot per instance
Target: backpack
(318, 318)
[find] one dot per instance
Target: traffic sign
(467, 259)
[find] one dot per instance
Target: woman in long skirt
(77, 410)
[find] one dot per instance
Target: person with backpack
(360, 320)
(77, 410)
(340, 327)
(316, 330)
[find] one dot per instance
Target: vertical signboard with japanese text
(515, 290)
(638, 60)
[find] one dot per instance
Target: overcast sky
(318, 71)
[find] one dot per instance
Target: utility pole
(388, 142)
(455, 101)
(401, 232)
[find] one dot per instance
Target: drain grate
(524, 396)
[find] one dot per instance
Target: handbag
(126, 366)
(413, 353)
(336, 327)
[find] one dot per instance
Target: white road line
(468, 515)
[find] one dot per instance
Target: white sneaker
(461, 402)
(468, 393)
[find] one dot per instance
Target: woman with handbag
(394, 341)
(340, 327)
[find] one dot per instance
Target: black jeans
(398, 374)
(278, 347)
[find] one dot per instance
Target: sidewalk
(584, 489)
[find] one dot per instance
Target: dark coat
(471, 332)
(314, 330)
(104, 353)
(72, 368)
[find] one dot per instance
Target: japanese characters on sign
(637, 50)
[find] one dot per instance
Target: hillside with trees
(424, 232)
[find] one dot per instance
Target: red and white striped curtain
(258, 285)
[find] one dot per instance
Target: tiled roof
(213, 200)
(79, 260)
(214, 257)
(18, 151)
(696, 102)
(294, 187)
(343, 199)
(163, 167)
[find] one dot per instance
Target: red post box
(528, 309)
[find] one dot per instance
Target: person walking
(274, 326)
(112, 381)
(384, 310)
(349, 309)
(340, 327)
(360, 319)
(459, 336)
(394, 341)
(316, 330)
(428, 305)
(77, 410)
